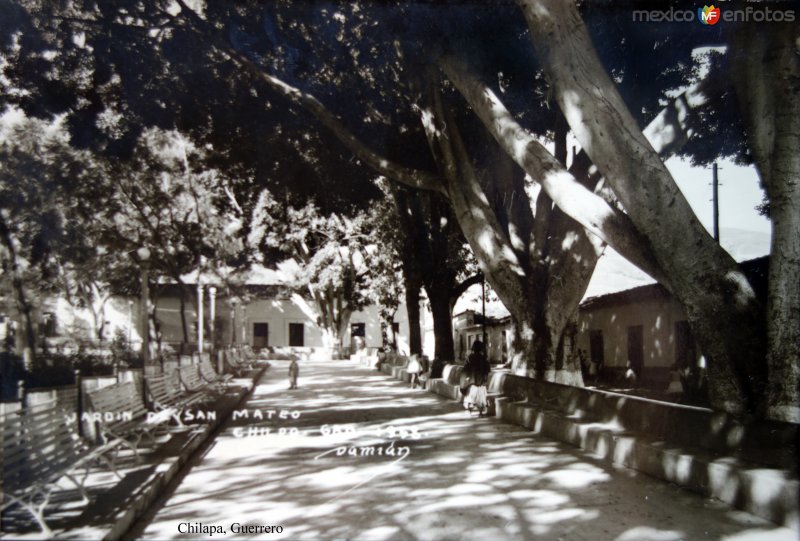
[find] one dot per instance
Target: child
(294, 371)
(630, 375)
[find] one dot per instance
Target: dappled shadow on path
(365, 457)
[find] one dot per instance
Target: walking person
(424, 371)
(630, 374)
(414, 368)
(474, 377)
(294, 371)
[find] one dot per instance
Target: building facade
(268, 318)
(643, 326)
(469, 326)
(648, 328)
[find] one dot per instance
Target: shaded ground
(434, 473)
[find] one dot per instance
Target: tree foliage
(397, 86)
(323, 257)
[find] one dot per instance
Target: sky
(744, 233)
(739, 193)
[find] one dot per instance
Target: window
(596, 347)
(636, 348)
(387, 339)
(685, 352)
(358, 329)
(260, 335)
(296, 335)
(48, 325)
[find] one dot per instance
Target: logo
(708, 15)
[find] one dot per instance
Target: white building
(270, 317)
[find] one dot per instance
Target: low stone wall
(715, 432)
(749, 465)
(448, 384)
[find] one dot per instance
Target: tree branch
(585, 207)
(413, 178)
(477, 219)
(464, 285)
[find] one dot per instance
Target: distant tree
(164, 198)
(323, 259)
(45, 213)
(385, 284)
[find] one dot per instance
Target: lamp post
(130, 321)
(233, 321)
(199, 316)
(483, 313)
(144, 259)
(244, 324)
(212, 300)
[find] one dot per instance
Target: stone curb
(765, 492)
(170, 467)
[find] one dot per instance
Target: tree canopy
(454, 99)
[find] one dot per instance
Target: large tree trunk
(425, 249)
(412, 274)
(442, 323)
(184, 322)
(720, 304)
(413, 285)
(571, 262)
(23, 305)
(766, 70)
(550, 265)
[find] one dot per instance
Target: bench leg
(81, 488)
(132, 445)
(36, 511)
(111, 462)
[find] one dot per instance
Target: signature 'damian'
(390, 450)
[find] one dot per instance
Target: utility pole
(144, 304)
(715, 200)
(199, 315)
(483, 310)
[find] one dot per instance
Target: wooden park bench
(42, 445)
(194, 383)
(122, 415)
(164, 396)
(250, 357)
(237, 363)
(211, 377)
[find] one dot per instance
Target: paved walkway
(423, 469)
